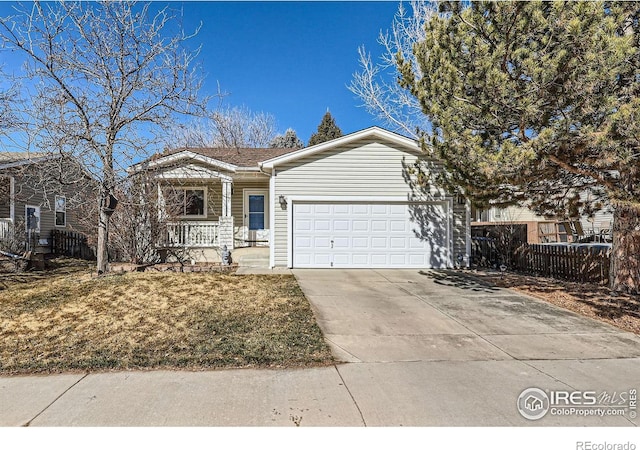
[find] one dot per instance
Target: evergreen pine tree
(327, 130)
(537, 103)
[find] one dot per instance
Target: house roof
(15, 159)
(11, 157)
(367, 133)
(239, 157)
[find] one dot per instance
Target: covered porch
(214, 209)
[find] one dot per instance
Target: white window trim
(206, 202)
(447, 202)
(37, 208)
(55, 211)
(245, 206)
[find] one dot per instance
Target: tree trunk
(103, 238)
(625, 257)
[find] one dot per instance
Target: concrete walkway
(420, 348)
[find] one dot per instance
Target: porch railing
(192, 234)
(5, 228)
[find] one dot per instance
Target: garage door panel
(361, 235)
(379, 259)
(378, 242)
(341, 225)
(418, 244)
(302, 225)
(321, 225)
(398, 243)
(322, 242)
(398, 226)
(303, 208)
(359, 209)
(398, 259)
(341, 209)
(360, 259)
(379, 226)
(360, 225)
(341, 243)
(322, 259)
(302, 259)
(418, 260)
(304, 242)
(341, 259)
(360, 242)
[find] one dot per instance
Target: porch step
(254, 257)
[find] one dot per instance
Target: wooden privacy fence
(573, 263)
(70, 243)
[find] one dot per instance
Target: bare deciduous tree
(287, 140)
(105, 77)
(376, 84)
(226, 128)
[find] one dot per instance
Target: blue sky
(290, 59)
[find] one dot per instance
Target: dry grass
(591, 300)
(69, 320)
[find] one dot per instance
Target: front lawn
(72, 321)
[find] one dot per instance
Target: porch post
(12, 199)
(225, 221)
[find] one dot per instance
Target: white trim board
(188, 155)
(192, 172)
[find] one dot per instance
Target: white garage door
(366, 235)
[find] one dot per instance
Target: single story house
(34, 203)
(345, 203)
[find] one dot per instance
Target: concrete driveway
(437, 348)
(419, 349)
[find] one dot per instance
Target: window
(61, 211)
(256, 212)
(192, 202)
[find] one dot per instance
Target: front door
(256, 215)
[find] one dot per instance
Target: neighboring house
(541, 229)
(343, 203)
(33, 201)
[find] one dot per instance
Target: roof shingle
(241, 157)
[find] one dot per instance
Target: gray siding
(27, 194)
(364, 168)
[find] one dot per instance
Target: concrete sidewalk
(419, 349)
(472, 393)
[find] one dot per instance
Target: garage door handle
(332, 243)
